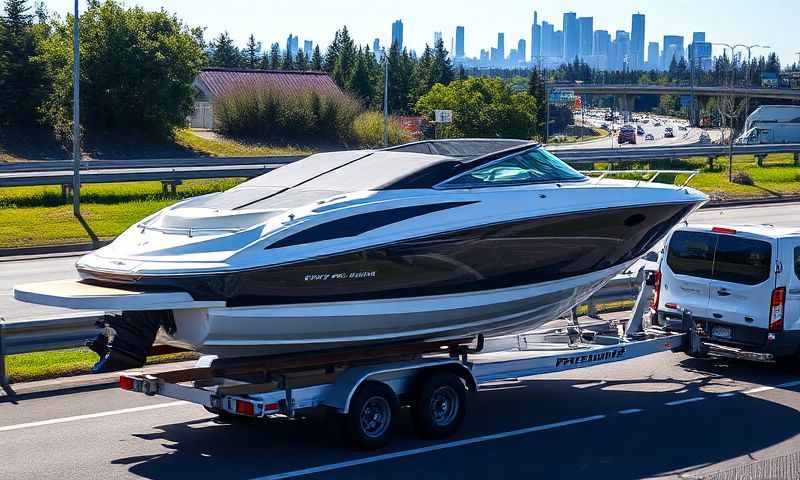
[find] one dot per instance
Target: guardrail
(73, 330)
(176, 170)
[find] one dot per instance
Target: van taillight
(657, 288)
(776, 309)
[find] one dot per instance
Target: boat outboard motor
(126, 339)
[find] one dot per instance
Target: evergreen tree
(288, 62)
(345, 58)
(360, 83)
(275, 57)
(316, 60)
(443, 67)
(263, 62)
(301, 62)
(536, 89)
(224, 53)
(462, 73)
(252, 52)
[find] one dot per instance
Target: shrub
(368, 130)
(268, 113)
(742, 178)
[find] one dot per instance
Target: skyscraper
(292, 45)
(376, 48)
(586, 35)
(501, 48)
(521, 51)
(308, 48)
(558, 41)
(698, 37)
(437, 37)
(549, 48)
(602, 48)
(700, 52)
(653, 56)
(673, 48)
(536, 39)
(397, 34)
(571, 36)
(459, 42)
(622, 46)
(637, 41)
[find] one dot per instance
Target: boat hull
(264, 330)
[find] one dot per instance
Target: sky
(765, 22)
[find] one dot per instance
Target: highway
(43, 269)
(665, 416)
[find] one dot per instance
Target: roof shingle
(219, 81)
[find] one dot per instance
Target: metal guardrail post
(4, 380)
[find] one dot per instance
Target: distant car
(657, 124)
(639, 130)
(668, 133)
(627, 134)
(646, 120)
(605, 126)
(649, 136)
(705, 138)
(682, 128)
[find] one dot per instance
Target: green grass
(225, 147)
(26, 367)
(39, 216)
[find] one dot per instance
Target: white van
(740, 284)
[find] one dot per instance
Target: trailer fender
(399, 376)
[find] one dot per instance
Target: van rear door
(790, 278)
(686, 272)
(741, 287)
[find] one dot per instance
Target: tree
(340, 57)
(536, 89)
(288, 62)
(275, 57)
(360, 83)
(316, 60)
(252, 52)
(137, 69)
(482, 107)
(224, 53)
(23, 83)
(301, 62)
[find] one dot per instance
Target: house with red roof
(211, 83)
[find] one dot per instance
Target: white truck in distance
(772, 124)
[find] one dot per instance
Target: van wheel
(440, 405)
(372, 414)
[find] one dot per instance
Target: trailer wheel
(440, 406)
(370, 420)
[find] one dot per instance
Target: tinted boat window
(692, 253)
(742, 260)
(532, 166)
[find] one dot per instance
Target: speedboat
(426, 241)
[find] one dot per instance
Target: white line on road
(681, 402)
(91, 415)
(789, 384)
(726, 395)
(432, 448)
(630, 411)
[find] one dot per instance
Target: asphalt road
(681, 138)
(665, 416)
(44, 269)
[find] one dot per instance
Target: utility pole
(385, 99)
(76, 115)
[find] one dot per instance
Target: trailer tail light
(271, 407)
(243, 407)
(776, 309)
(728, 231)
(657, 289)
(126, 383)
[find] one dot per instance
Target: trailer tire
(440, 405)
(371, 417)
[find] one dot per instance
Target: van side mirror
(652, 256)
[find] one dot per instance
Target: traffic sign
(443, 116)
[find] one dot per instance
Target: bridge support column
(711, 162)
(797, 159)
(170, 186)
(760, 160)
(66, 191)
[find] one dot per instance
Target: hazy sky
(766, 22)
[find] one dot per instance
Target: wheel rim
(444, 406)
(376, 415)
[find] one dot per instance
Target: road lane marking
(726, 395)
(630, 411)
(76, 418)
(789, 384)
(431, 448)
(681, 402)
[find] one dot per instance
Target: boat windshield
(531, 166)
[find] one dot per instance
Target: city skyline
(367, 21)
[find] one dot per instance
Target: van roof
(767, 231)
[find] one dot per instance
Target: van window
(692, 253)
(797, 262)
(742, 260)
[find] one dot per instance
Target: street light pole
(76, 115)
